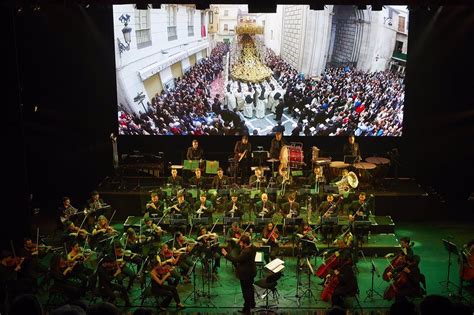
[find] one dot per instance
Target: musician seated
(290, 209)
(234, 208)
(347, 285)
(103, 228)
(72, 232)
(406, 246)
(307, 238)
(197, 180)
(66, 211)
(264, 208)
(406, 279)
(167, 258)
(317, 178)
(151, 230)
(133, 242)
(352, 148)
(159, 274)
(175, 180)
(328, 209)
(95, 204)
(209, 246)
(107, 271)
(257, 180)
(184, 246)
(203, 208)
(270, 238)
(60, 273)
(358, 209)
(284, 178)
(75, 259)
(155, 207)
(220, 181)
(123, 262)
(181, 209)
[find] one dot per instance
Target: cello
(397, 261)
(332, 282)
(399, 281)
(333, 261)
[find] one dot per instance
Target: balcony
(399, 56)
(143, 38)
(172, 33)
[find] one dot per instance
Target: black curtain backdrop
(61, 63)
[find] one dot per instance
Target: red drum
(291, 155)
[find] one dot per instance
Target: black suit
(175, 181)
(351, 149)
(246, 271)
(219, 183)
(285, 209)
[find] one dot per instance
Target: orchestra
(168, 259)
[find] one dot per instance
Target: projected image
(225, 71)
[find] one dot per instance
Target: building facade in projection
(162, 45)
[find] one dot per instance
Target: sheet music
(276, 264)
(258, 257)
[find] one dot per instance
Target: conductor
(246, 271)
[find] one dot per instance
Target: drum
(365, 171)
(292, 156)
(336, 167)
(383, 165)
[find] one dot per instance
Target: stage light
(377, 7)
(361, 7)
(141, 6)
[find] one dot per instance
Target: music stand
(361, 228)
(230, 220)
(259, 222)
(452, 250)
(200, 221)
(264, 251)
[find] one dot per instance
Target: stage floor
(226, 296)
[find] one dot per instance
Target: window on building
(142, 28)
(171, 22)
(401, 24)
(226, 27)
(226, 12)
(398, 46)
(190, 12)
(211, 17)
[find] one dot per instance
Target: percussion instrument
(314, 153)
(335, 168)
(382, 164)
(365, 171)
(292, 155)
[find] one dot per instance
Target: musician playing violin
(406, 279)
(234, 208)
(134, 242)
(72, 232)
(103, 228)
(123, 262)
(159, 274)
(209, 245)
(184, 246)
(270, 237)
(154, 207)
(151, 231)
(107, 271)
(75, 259)
(264, 208)
(307, 241)
(60, 273)
(171, 259)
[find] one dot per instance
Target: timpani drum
(383, 165)
(291, 156)
(336, 167)
(365, 171)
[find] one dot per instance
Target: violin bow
(82, 223)
(13, 249)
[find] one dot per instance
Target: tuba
(352, 179)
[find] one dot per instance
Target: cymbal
(273, 160)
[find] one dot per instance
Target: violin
(163, 269)
(273, 236)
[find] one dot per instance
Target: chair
(264, 287)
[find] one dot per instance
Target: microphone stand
(372, 292)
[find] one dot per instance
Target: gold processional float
(249, 67)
